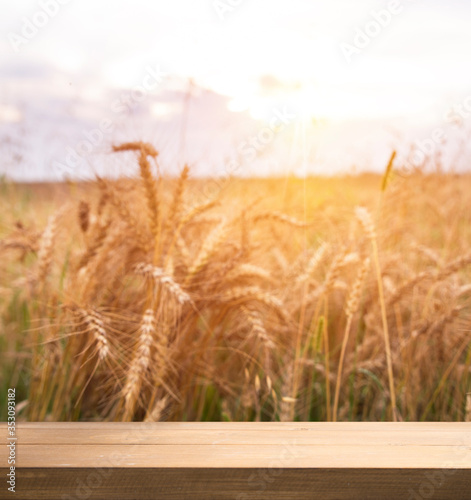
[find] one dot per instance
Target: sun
(308, 101)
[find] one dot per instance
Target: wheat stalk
(368, 225)
(248, 293)
(150, 186)
(208, 249)
(288, 402)
(249, 271)
(352, 306)
(279, 217)
(124, 213)
(173, 219)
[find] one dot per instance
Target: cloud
(25, 69)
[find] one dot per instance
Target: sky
(348, 65)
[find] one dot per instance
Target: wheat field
(156, 298)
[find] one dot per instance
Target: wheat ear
(139, 364)
(164, 280)
(150, 186)
(84, 216)
(46, 249)
(95, 324)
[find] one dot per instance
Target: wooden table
(239, 461)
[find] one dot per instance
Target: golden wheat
(156, 303)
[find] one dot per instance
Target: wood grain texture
(290, 454)
(239, 484)
(240, 461)
(221, 433)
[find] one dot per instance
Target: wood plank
(290, 454)
(240, 484)
(240, 460)
(83, 436)
(352, 434)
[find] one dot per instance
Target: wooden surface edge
(239, 484)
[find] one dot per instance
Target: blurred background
(240, 87)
